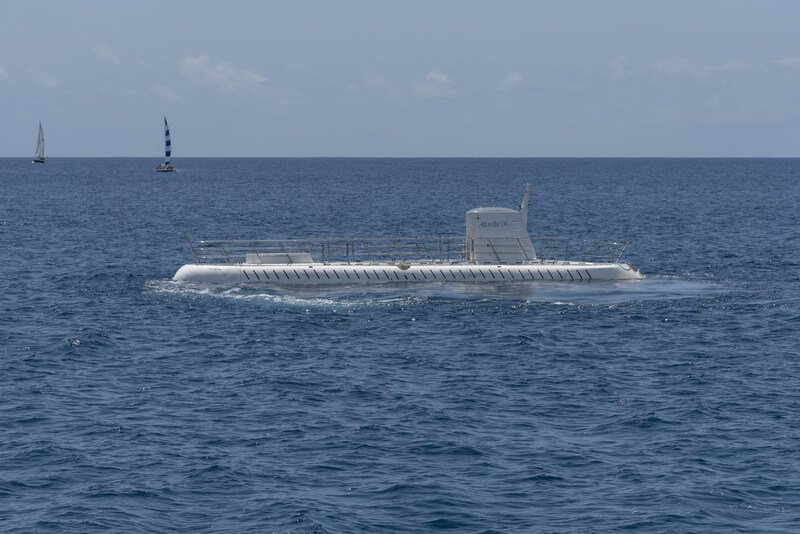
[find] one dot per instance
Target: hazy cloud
(42, 78)
(714, 100)
(166, 92)
(438, 77)
(732, 65)
(676, 66)
(512, 80)
(103, 52)
(141, 62)
(619, 65)
(376, 84)
(3, 73)
(683, 67)
(373, 79)
(223, 75)
(436, 85)
(788, 61)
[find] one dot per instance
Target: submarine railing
(429, 249)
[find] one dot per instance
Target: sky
(572, 78)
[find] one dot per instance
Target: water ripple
(133, 403)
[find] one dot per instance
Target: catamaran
(39, 156)
(497, 248)
(166, 167)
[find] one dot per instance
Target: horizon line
(408, 157)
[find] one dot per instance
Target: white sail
(39, 156)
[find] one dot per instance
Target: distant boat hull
(165, 168)
(319, 274)
(38, 160)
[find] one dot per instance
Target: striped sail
(167, 144)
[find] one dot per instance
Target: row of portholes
(353, 274)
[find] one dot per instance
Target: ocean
(131, 403)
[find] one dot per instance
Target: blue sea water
(130, 403)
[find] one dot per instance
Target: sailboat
(39, 156)
(166, 167)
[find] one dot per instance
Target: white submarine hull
(497, 248)
(352, 274)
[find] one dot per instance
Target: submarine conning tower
(500, 235)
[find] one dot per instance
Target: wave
(651, 289)
(341, 298)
